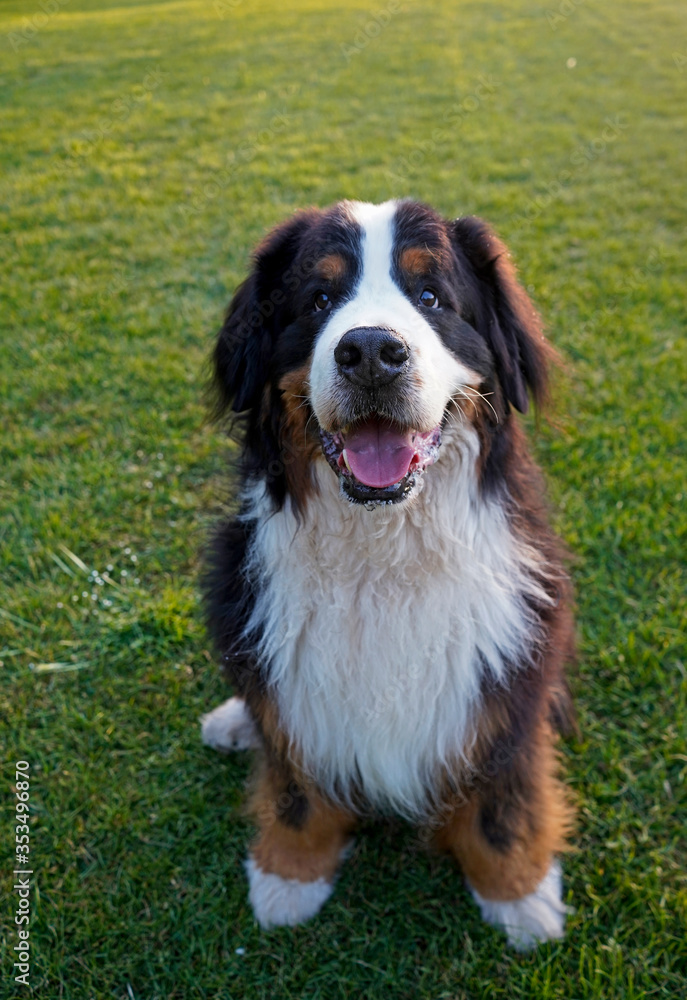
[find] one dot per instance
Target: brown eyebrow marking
(417, 260)
(332, 267)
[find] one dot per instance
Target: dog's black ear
(504, 315)
(259, 309)
(238, 363)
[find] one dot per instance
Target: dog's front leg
(506, 834)
(301, 842)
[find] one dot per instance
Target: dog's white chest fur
(379, 625)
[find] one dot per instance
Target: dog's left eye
(429, 299)
(321, 301)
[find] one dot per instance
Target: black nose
(368, 356)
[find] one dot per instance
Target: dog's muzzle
(377, 456)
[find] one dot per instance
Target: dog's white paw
(230, 727)
(532, 919)
(279, 902)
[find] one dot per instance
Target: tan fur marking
(417, 260)
(314, 850)
(298, 442)
(516, 872)
(332, 267)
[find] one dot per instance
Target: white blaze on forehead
(378, 301)
(377, 224)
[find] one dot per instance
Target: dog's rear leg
(302, 840)
(506, 837)
(229, 727)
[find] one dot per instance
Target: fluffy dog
(390, 602)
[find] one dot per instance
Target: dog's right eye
(429, 299)
(321, 301)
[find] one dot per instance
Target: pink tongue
(378, 453)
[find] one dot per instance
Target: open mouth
(379, 461)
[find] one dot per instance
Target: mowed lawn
(144, 149)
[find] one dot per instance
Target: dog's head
(361, 331)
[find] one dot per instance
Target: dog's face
(365, 328)
(392, 349)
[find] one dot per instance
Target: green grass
(141, 160)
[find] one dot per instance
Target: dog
(390, 602)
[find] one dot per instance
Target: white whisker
(471, 388)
